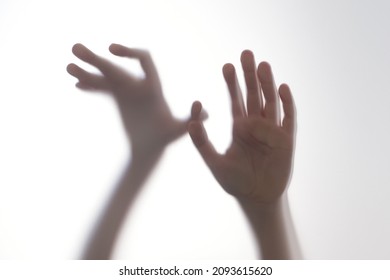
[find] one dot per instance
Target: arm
(257, 166)
(103, 237)
(273, 228)
(149, 126)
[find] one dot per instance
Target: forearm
(103, 237)
(273, 228)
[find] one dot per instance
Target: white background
(62, 150)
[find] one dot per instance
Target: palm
(146, 116)
(147, 119)
(258, 163)
(254, 166)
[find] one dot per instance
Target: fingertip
(248, 61)
(285, 86)
(264, 68)
(82, 86)
(247, 55)
(228, 68)
(285, 93)
(115, 48)
(197, 103)
(77, 48)
(71, 68)
(84, 53)
(196, 109)
(228, 71)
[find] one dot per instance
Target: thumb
(182, 125)
(199, 136)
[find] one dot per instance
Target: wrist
(145, 155)
(263, 207)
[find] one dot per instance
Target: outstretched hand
(257, 166)
(148, 121)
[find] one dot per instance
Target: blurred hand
(148, 121)
(258, 164)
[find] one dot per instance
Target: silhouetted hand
(258, 164)
(146, 116)
(149, 125)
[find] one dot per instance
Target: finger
(271, 108)
(289, 119)
(205, 148)
(112, 72)
(86, 79)
(181, 126)
(254, 98)
(196, 110)
(199, 136)
(230, 76)
(143, 56)
(85, 87)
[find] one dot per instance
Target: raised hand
(257, 166)
(149, 125)
(148, 121)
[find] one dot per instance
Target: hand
(148, 121)
(258, 164)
